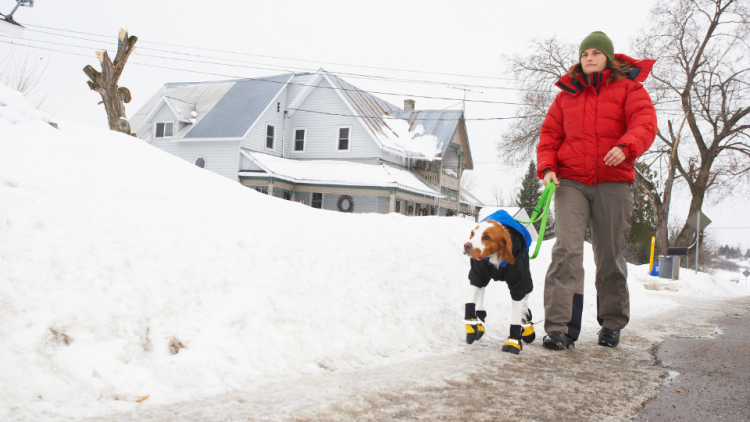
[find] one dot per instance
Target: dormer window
(164, 130)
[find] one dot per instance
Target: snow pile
(125, 272)
(402, 138)
(14, 109)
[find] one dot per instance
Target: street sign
(746, 273)
(692, 221)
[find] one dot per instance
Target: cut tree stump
(114, 98)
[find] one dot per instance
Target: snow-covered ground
(126, 272)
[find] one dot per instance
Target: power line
(288, 68)
(348, 74)
(287, 58)
(259, 79)
(409, 119)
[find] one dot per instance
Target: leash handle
(543, 207)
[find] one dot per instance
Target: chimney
(409, 105)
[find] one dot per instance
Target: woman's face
(593, 60)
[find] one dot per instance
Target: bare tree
(105, 83)
(536, 74)
(23, 74)
(497, 197)
(703, 69)
(468, 180)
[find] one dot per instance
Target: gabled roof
(238, 110)
(335, 172)
(181, 109)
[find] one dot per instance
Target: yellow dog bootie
(527, 334)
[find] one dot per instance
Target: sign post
(746, 273)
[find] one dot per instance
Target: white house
(316, 139)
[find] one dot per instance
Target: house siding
(362, 204)
(221, 157)
(255, 140)
(322, 129)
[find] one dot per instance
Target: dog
(498, 248)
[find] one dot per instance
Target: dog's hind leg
(518, 318)
(475, 307)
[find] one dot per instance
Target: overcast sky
(351, 38)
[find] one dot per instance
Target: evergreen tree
(528, 197)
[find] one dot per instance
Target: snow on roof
(468, 198)
(402, 138)
(439, 125)
(333, 172)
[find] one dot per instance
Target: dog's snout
(467, 248)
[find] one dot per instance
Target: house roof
(180, 108)
(368, 107)
(442, 124)
(468, 198)
(205, 95)
(239, 108)
(334, 172)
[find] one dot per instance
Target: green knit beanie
(600, 41)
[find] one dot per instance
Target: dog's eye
(486, 238)
(472, 235)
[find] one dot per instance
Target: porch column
(392, 204)
(270, 186)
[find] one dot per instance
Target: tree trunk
(105, 83)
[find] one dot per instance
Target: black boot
(470, 318)
(609, 338)
(514, 344)
(528, 333)
(556, 340)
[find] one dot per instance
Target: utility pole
(461, 156)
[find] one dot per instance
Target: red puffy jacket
(586, 120)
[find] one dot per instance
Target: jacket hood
(639, 71)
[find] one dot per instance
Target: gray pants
(609, 208)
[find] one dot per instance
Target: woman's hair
(618, 70)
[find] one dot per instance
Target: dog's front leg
(475, 314)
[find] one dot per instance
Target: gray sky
(466, 38)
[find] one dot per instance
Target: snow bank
(125, 272)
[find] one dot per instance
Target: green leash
(543, 207)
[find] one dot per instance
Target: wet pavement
(708, 378)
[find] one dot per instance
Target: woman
(600, 122)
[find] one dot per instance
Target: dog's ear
(506, 251)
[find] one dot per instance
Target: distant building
(316, 139)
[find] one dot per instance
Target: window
(164, 130)
(299, 139)
(200, 162)
(262, 189)
(344, 133)
(317, 201)
(270, 132)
